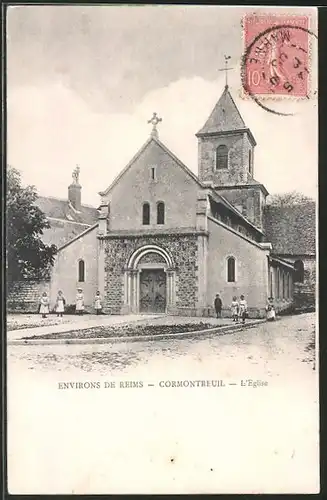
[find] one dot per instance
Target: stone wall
(249, 201)
(182, 248)
(171, 185)
(24, 296)
(236, 172)
(247, 147)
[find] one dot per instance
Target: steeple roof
(225, 116)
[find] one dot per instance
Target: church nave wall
(251, 270)
(64, 275)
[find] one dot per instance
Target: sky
(82, 82)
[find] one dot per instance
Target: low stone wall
(24, 296)
(283, 306)
(304, 297)
(209, 312)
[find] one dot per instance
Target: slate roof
(65, 222)
(61, 232)
(291, 230)
(61, 209)
(225, 116)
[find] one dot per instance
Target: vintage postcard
(162, 172)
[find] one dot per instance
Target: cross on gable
(154, 120)
(226, 69)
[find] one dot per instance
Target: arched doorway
(149, 284)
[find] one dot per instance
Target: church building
(164, 240)
(167, 241)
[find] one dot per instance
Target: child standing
(243, 310)
(234, 308)
(44, 305)
(97, 303)
(60, 304)
(79, 301)
(271, 313)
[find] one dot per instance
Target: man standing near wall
(218, 305)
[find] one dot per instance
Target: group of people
(239, 308)
(60, 303)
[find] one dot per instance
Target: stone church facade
(164, 240)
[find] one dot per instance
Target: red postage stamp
(276, 55)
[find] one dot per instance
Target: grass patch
(127, 331)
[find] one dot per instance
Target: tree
(27, 255)
(288, 199)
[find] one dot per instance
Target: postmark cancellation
(277, 62)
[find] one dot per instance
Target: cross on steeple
(154, 120)
(226, 69)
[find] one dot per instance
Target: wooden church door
(153, 291)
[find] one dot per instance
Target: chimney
(74, 190)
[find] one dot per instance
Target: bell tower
(226, 159)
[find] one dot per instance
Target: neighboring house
(165, 240)
(292, 232)
(68, 219)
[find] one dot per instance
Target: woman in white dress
(97, 303)
(270, 310)
(234, 308)
(243, 308)
(79, 301)
(44, 305)
(60, 304)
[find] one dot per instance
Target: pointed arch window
(160, 212)
(146, 214)
(221, 157)
(250, 161)
(231, 269)
(81, 271)
(299, 271)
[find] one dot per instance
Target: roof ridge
(139, 152)
(122, 172)
(86, 205)
(78, 236)
(175, 158)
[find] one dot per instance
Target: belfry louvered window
(221, 157)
